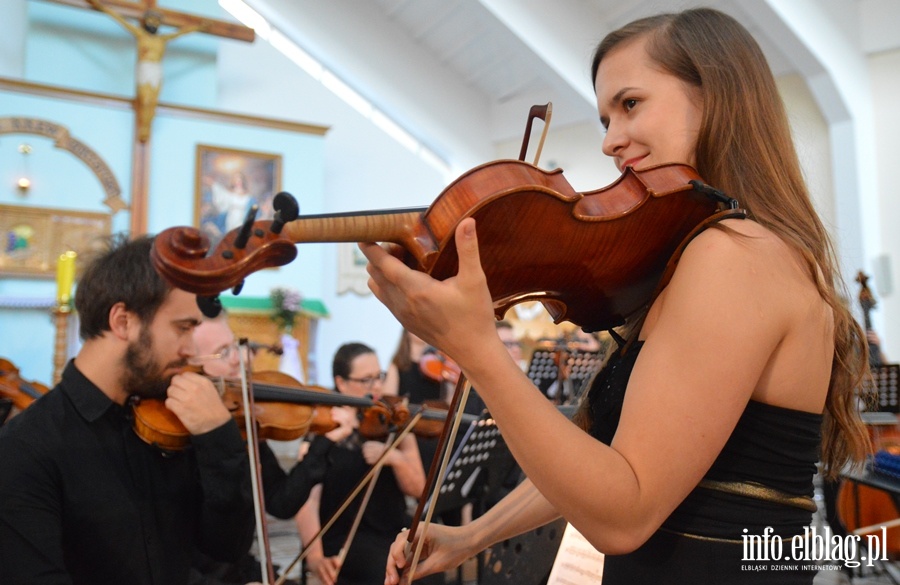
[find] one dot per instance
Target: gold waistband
(760, 492)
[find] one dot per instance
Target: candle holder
(61, 313)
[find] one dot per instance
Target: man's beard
(143, 376)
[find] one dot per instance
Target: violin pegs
(244, 234)
(238, 288)
(286, 209)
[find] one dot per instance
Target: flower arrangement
(286, 305)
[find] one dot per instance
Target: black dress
(772, 448)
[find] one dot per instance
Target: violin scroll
(182, 254)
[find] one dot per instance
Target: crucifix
(151, 46)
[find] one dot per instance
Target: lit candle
(65, 278)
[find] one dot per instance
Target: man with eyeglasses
(357, 372)
(284, 493)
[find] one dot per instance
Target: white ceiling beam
(562, 39)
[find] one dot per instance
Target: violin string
(359, 486)
(463, 387)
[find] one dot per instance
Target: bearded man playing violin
(83, 499)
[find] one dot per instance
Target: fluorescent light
(300, 57)
(287, 47)
(248, 16)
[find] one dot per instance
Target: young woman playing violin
(409, 373)
(707, 424)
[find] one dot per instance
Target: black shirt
(84, 500)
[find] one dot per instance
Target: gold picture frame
(35, 237)
(227, 182)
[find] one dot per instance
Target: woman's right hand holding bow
(445, 547)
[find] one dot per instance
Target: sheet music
(577, 562)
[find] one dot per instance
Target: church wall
(885, 271)
(60, 180)
(364, 169)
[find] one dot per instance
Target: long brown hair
(745, 149)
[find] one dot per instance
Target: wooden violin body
(284, 410)
(591, 258)
(22, 392)
(438, 367)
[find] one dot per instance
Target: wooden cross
(136, 9)
(150, 49)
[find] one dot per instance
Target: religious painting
(35, 237)
(230, 182)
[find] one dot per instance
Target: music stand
(476, 469)
(525, 559)
(543, 370)
(884, 385)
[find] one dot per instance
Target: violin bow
(437, 470)
(544, 113)
(349, 499)
(259, 507)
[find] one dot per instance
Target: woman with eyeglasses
(357, 372)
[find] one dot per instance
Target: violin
(284, 410)
(428, 426)
(437, 366)
(591, 258)
(22, 392)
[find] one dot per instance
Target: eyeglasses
(369, 381)
(512, 344)
(223, 354)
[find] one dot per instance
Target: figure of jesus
(150, 49)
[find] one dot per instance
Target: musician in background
(867, 302)
(513, 344)
(356, 372)
(83, 499)
(405, 376)
(284, 493)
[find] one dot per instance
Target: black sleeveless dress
(703, 539)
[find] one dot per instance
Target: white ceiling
(502, 54)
